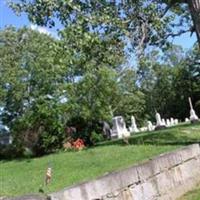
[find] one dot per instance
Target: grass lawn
(18, 177)
(192, 195)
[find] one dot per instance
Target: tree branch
(170, 4)
(179, 33)
(166, 10)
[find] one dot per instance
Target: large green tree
(168, 80)
(143, 22)
(31, 83)
(100, 86)
(48, 84)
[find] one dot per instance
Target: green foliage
(30, 89)
(82, 79)
(10, 151)
(167, 80)
(143, 22)
(95, 137)
(48, 84)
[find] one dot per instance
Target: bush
(95, 137)
(41, 129)
(10, 151)
(28, 153)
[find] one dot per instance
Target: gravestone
(172, 121)
(193, 117)
(150, 126)
(176, 121)
(159, 123)
(163, 122)
(119, 129)
(186, 119)
(168, 124)
(133, 128)
(106, 130)
(143, 129)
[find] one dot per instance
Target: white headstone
(158, 120)
(143, 129)
(150, 126)
(176, 121)
(119, 128)
(168, 123)
(163, 122)
(133, 128)
(186, 119)
(172, 121)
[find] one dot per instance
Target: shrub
(95, 137)
(10, 151)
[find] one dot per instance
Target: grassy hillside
(24, 176)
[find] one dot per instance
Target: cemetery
(69, 168)
(99, 100)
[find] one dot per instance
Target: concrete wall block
(190, 169)
(150, 190)
(128, 176)
(189, 152)
(147, 170)
(164, 182)
(125, 195)
(75, 193)
(102, 186)
(137, 192)
(168, 160)
(176, 177)
(116, 181)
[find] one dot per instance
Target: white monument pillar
(193, 116)
(150, 126)
(172, 121)
(164, 122)
(159, 123)
(133, 128)
(168, 123)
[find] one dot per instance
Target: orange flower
(78, 144)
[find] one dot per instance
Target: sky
(8, 17)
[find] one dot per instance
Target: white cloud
(44, 30)
(40, 29)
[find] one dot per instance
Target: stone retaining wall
(165, 177)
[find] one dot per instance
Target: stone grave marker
(119, 129)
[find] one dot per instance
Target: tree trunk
(194, 6)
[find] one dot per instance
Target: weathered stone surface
(167, 176)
